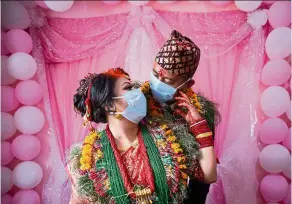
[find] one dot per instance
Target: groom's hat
(179, 55)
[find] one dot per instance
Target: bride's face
(122, 86)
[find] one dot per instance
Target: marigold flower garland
(86, 161)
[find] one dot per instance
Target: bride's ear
(109, 107)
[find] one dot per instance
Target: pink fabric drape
(74, 47)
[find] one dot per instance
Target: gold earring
(119, 116)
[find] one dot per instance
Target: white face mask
(163, 92)
(137, 106)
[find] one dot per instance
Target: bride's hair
(100, 94)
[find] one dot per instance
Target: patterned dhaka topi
(179, 55)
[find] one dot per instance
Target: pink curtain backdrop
(232, 56)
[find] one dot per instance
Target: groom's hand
(191, 115)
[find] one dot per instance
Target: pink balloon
(287, 140)
(6, 78)
(276, 72)
(221, 3)
(247, 6)
(278, 43)
(14, 15)
(6, 179)
(273, 131)
(59, 6)
(274, 188)
(29, 119)
(17, 40)
(7, 126)
(26, 147)
(287, 199)
(27, 175)
(275, 101)
(21, 66)
(6, 153)
(8, 99)
(280, 14)
(6, 199)
(274, 158)
(28, 92)
(25, 197)
(41, 3)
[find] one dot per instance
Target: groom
(170, 83)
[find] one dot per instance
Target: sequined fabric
(211, 31)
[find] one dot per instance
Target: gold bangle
(197, 123)
(206, 134)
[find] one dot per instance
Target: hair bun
(79, 103)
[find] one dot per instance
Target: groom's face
(167, 77)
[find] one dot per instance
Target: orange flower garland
(175, 146)
(86, 159)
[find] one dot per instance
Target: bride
(131, 161)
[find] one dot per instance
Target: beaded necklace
(120, 183)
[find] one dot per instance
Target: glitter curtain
(67, 49)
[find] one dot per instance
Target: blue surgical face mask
(137, 106)
(163, 92)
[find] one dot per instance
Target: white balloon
(27, 175)
(138, 3)
(21, 66)
(6, 78)
(272, 107)
(276, 72)
(247, 6)
(274, 158)
(6, 179)
(278, 43)
(29, 119)
(258, 18)
(7, 126)
(59, 6)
